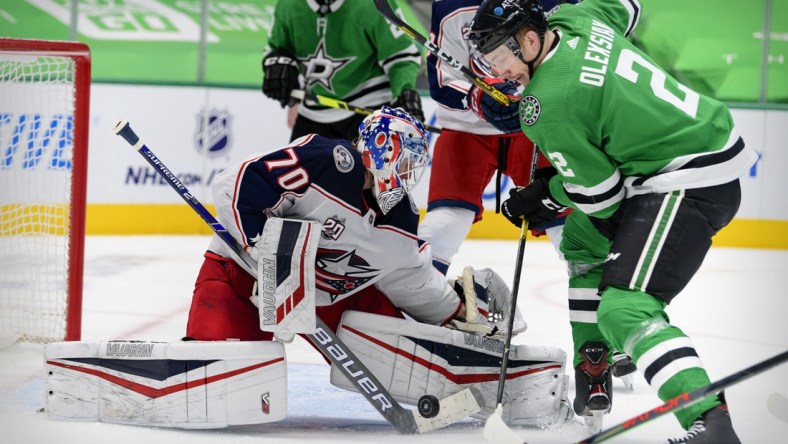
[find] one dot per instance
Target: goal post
(44, 120)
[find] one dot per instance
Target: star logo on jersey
(339, 272)
(320, 67)
(529, 110)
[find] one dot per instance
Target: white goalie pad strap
(286, 277)
(183, 384)
(414, 359)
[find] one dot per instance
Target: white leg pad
(286, 277)
(413, 359)
(183, 384)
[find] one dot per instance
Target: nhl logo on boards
(212, 135)
(343, 159)
(529, 110)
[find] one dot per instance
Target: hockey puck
(429, 406)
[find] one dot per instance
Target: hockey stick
(449, 409)
(518, 268)
(679, 402)
(300, 94)
(384, 8)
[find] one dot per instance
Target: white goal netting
(37, 97)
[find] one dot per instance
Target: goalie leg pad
(286, 277)
(413, 359)
(184, 384)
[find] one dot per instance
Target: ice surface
(139, 287)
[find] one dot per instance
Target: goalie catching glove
(487, 303)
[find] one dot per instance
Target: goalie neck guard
(393, 147)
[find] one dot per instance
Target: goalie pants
(222, 308)
(626, 269)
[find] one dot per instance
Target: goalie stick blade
(452, 409)
(778, 406)
(496, 431)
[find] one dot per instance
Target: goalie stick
(384, 8)
(405, 421)
(500, 433)
(300, 94)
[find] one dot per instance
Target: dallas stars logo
(530, 108)
(320, 67)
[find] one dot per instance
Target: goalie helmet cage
(44, 110)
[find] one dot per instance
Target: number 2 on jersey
(558, 161)
(627, 58)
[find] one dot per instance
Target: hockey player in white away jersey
(368, 242)
(331, 228)
(370, 271)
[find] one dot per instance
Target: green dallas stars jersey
(614, 124)
(351, 54)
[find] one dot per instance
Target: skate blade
(593, 423)
(628, 381)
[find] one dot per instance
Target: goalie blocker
(414, 359)
(186, 384)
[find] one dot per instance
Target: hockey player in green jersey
(652, 169)
(345, 50)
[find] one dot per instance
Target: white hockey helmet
(394, 148)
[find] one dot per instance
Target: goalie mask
(393, 147)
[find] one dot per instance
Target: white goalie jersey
(319, 179)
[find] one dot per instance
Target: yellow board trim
(181, 219)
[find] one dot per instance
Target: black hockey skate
(712, 427)
(624, 369)
(593, 384)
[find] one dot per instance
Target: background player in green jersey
(652, 169)
(343, 49)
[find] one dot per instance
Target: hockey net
(44, 99)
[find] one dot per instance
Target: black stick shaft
(518, 268)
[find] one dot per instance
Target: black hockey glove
(533, 202)
(280, 77)
(410, 101)
(505, 118)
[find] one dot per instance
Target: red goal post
(44, 120)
